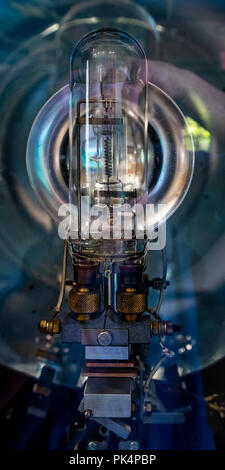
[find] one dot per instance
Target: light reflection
(201, 136)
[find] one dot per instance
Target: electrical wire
(152, 373)
(57, 308)
(164, 273)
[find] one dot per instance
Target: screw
(134, 445)
(104, 338)
(87, 414)
(93, 445)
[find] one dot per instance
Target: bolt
(134, 445)
(163, 328)
(93, 445)
(104, 338)
(87, 414)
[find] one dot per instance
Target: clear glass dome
(108, 146)
(125, 15)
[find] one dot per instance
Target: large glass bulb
(110, 144)
(108, 137)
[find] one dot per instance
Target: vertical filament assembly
(108, 165)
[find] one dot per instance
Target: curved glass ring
(49, 131)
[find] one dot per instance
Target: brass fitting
(163, 328)
(83, 302)
(131, 303)
(51, 327)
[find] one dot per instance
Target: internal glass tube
(108, 139)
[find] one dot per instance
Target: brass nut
(133, 407)
(130, 317)
(131, 302)
(156, 328)
(83, 302)
(148, 407)
(161, 328)
(51, 327)
(83, 317)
